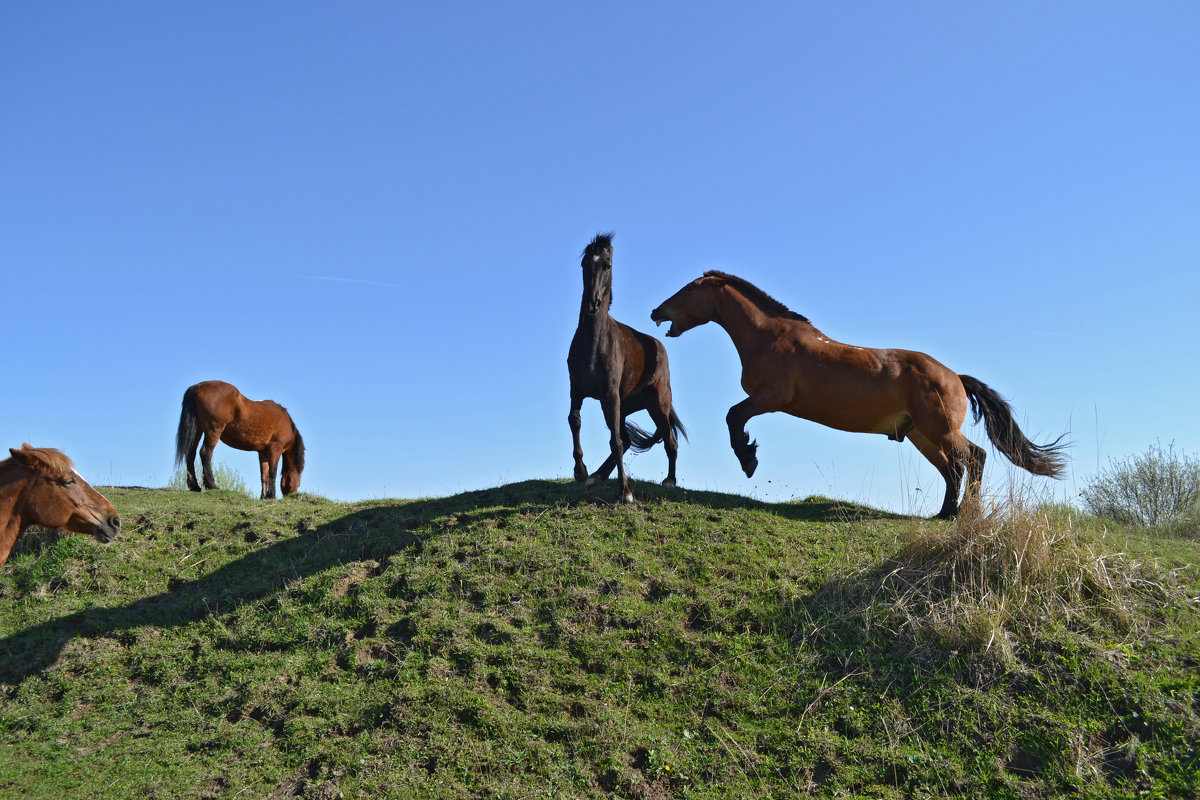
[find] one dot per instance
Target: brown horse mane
(764, 301)
(46, 461)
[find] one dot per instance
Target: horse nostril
(115, 522)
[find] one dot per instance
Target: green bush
(1159, 489)
(228, 479)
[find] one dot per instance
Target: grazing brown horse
(39, 486)
(789, 365)
(622, 368)
(220, 413)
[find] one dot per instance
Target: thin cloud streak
(361, 281)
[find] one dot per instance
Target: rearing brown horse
(624, 369)
(789, 365)
(39, 486)
(220, 413)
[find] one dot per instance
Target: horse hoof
(591, 481)
(627, 498)
(581, 473)
(749, 466)
(669, 482)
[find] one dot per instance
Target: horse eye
(66, 482)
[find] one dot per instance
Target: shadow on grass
(378, 532)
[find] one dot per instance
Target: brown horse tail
(1002, 429)
(186, 435)
(641, 441)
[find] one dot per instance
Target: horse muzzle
(107, 529)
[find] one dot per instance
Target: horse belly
(853, 418)
(244, 435)
(851, 403)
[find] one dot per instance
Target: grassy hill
(534, 640)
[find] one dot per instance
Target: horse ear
(23, 456)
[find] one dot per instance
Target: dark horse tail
(1002, 429)
(187, 426)
(641, 441)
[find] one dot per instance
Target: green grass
(534, 640)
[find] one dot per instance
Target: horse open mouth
(658, 318)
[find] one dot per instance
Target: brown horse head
(695, 303)
(56, 496)
(293, 465)
(597, 275)
(690, 306)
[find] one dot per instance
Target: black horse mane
(602, 240)
(756, 295)
(298, 450)
(296, 454)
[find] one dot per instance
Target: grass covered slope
(535, 641)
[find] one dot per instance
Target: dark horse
(39, 486)
(789, 365)
(220, 413)
(622, 368)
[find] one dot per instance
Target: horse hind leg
(948, 461)
(662, 420)
(190, 464)
(975, 459)
(206, 451)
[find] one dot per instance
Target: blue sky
(373, 214)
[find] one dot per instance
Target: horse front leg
(575, 420)
(610, 463)
(268, 465)
(616, 445)
(739, 440)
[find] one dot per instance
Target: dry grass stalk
(1003, 567)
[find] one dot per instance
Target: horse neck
(10, 521)
(747, 325)
(594, 326)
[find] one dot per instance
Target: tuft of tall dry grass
(1003, 568)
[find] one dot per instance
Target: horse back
(243, 424)
(812, 375)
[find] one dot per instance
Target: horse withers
(39, 486)
(625, 370)
(218, 412)
(788, 365)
